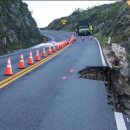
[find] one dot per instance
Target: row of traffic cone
(21, 64)
(72, 39)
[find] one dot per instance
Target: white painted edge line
(101, 53)
(120, 121)
(118, 116)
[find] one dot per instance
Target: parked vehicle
(83, 28)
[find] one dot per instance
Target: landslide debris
(116, 77)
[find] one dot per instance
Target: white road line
(118, 116)
(52, 38)
(120, 121)
(127, 119)
(101, 53)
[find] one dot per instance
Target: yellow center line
(21, 73)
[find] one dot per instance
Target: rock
(120, 83)
(126, 103)
(17, 25)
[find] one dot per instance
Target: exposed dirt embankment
(116, 77)
(119, 87)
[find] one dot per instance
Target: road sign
(64, 21)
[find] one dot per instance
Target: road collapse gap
(110, 78)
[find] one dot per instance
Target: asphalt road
(15, 57)
(53, 97)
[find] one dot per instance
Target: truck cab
(82, 28)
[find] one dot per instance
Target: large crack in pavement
(116, 85)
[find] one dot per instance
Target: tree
(77, 11)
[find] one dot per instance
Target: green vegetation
(18, 26)
(103, 39)
(109, 20)
(95, 15)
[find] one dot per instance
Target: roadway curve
(15, 57)
(53, 97)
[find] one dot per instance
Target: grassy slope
(109, 20)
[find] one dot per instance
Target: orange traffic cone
(49, 51)
(53, 49)
(68, 41)
(30, 59)
(82, 38)
(8, 70)
(61, 45)
(65, 42)
(44, 53)
(37, 57)
(57, 47)
(21, 64)
(71, 40)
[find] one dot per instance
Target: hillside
(17, 26)
(98, 15)
(108, 20)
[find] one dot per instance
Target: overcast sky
(45, 12)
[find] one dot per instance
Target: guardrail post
(109, 40)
